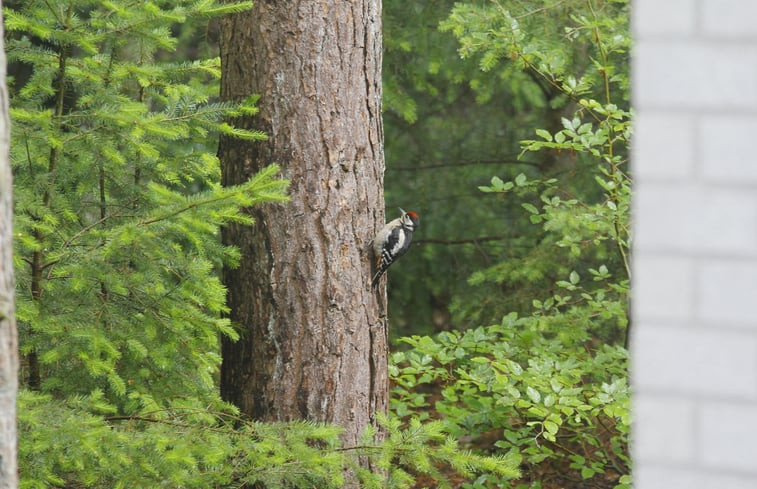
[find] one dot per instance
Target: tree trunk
(8, 335)
(314, 337)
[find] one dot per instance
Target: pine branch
(168, 422)
(188, 207)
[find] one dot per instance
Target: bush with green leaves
(530, 388)
(577, 51)
(550, 386)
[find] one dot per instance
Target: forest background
(506, 128)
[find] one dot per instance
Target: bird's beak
(403, 212)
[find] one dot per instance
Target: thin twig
(453, 164)
(461, 241)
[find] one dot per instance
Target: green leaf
(544, 134)
(530, 208)
(497, 184)
(549, 400)
(574, 277)
(533, 394)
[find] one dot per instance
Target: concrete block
(668, 18)
(662, 146)
(727, 292)
(695, 219)
(663, 430)
(683, 360)
(729, 18)
(647, 476)
(694, 75)
(663, 287)
(727, 148)
(726, 436)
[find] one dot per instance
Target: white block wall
(694, 159)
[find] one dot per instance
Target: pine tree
(118, 202)
(118, 214)
(315, 342)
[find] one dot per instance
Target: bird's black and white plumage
(393, 241)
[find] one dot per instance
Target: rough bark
(314, 338)
(8, 334)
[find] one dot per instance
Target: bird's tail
(378, 275)
(376, 278)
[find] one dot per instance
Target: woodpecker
(393, 241)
